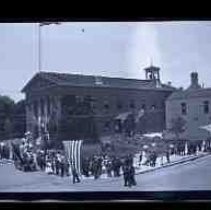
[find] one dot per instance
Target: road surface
(193, 175)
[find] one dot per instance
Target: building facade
(192, 105)
(77, 105)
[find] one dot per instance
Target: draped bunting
(73, 153)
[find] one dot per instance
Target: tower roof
(152, 68)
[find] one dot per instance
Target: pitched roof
(190, 93)
(64, 79)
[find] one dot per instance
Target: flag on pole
(49, 23)
(73, 153)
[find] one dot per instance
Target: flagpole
(39, 48)
(40, 25)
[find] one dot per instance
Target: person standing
(118, 166)
(130, 159)
(125, 169)
(95, 169)
(58, 163)
(67, 167)
(75, 174)
(100, 166)
(132, 181)
(62, 166)
(86, 167)
(154, 158)
(109, 168)
(49, 167)
(140, 158)
(167, 156)
(114, 164)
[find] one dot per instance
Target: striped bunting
(73, 153)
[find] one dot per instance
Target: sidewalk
(6, 161)
(174, 160)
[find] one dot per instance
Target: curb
(172, 164)
(6, 161)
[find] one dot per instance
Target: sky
(115, 49)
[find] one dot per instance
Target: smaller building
(192, 105)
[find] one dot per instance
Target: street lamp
(40, 25)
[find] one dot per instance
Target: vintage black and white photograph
(105, 106)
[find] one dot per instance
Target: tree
(177, 126)
(6, 113)
(19, 119)
(8, 130)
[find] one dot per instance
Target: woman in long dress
(48, 168)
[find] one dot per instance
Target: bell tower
(152, 73)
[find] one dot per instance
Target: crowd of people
(112, 166)
(29, 158)
(100, 164)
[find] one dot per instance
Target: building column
(51, 105)
(57, 108)
(28, 117)
(32, 118)
(45, 111)
(39, 116)
(53, 111)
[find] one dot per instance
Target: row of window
(131, 105)
(119, 104)
(205, 108)
(92, 101)
(106, 105)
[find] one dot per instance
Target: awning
(153, 135)
(122, 116)
(145, 147)
(206, 127)
(139, 115)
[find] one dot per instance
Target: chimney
(194, 80)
